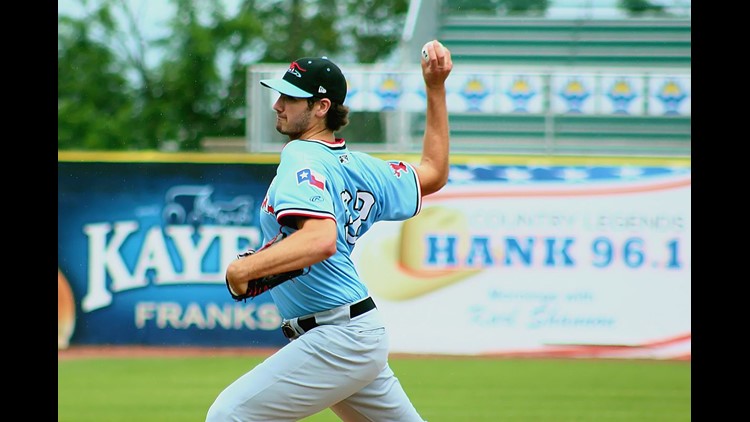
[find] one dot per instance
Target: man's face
(293, 116)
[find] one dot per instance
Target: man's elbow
(328, 248)
(318, 239)
(323, 247)
(432, 179)
(434, 185)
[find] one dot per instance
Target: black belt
(309, 323)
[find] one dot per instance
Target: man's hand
(436, 64)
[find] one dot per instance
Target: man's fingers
(447, 60)
(439, 52)
(436, 55)
(436, 63)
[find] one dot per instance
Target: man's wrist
(435, 88)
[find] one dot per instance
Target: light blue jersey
(317, 179)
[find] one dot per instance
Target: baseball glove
(261, 285)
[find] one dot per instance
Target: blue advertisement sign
(519, 259)
(142, 250)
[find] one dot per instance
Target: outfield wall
(516, 256)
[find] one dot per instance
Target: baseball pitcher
(323, 198)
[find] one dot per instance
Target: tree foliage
(95, 103)
(110, 97)
(640, 7)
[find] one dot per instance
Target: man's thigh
(304, 377)
(383, 400)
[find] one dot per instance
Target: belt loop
(289, 331)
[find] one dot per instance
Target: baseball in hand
(425, 54)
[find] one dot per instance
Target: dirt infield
(130, 351)
(83, 352)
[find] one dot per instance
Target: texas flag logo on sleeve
(309, 176)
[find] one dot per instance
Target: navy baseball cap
(311, 77)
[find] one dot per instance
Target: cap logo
(295, 68)
(311, 77)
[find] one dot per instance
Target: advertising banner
(144, 246)
(506, 259)
(493, 92)
(540, 260)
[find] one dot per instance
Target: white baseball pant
(343, 366)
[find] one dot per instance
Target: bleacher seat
(641, 43)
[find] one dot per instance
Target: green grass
(476, 390)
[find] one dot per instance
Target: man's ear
(325, 105)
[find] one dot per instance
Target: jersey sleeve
(400, 190)
(302, 189)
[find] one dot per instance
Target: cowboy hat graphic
(396, 267)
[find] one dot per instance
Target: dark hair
(337, 117)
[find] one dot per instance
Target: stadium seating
(645, 48)
(631, 43)
(660, 45)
